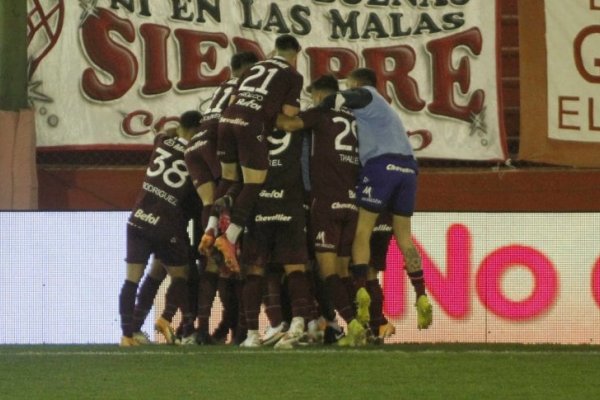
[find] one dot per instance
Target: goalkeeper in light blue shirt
(388, 182)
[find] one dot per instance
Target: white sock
(213, 222)
(232, 232)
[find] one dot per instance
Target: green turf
(385, 372)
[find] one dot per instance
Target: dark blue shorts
(388, 182)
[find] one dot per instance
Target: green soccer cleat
(424, 312)
(356, 336)
(363, 302)
(128, 342)
(141, 338)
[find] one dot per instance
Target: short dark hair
(365, 76)
(238, 60)
(325, 82)
(287, 43)
(190, 119)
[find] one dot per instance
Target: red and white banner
(573, 57)
(560, 82)
(106, 73)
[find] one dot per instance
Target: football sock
(233, 232)
(339, 293)
(243, 206)
(350, 287)
(144, 302)
(229, 302)
(418, 282)
(207, 288)
(376, 308)
(299, 295)
(206, 211)
(222, 188)
(252, 295)
(359, 272)
(126, 306)
(324, 297)
(176, 297)
(272, 299)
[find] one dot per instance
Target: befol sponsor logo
(272, 194)
(249, 103)
(146, 217)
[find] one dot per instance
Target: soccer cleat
(229, 253)
(252, 340)
(333, 333)
(273, 334)
(424, 312)
(387, 330)
(207, 242)
(128, 342)
(315, 331)
(141, 338)
(164, 327)
(204, 339)
(188, 340)
(219, 335)
(293, 335)
(356, 336)
(363, 302)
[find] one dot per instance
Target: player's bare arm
(288, 123)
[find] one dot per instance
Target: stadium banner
(106, 74)
(560, 82)
(491, 277)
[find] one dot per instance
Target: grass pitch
(224, 372)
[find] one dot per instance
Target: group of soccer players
(303, 245)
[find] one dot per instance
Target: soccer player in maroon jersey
(334, 168)
(270, 87)
(157, 225)
(205, 171)
(276, 234)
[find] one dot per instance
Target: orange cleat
(207, 242)
(229, 251)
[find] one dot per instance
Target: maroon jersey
(201, 154)
(263, 90)
(166, 188)
(334, 162)
(283, 192)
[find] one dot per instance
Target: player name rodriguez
(160, 193)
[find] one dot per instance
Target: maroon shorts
(275, 242)
(202, 164)
(333, 225)
(172, 250)
(243, 141)
(380, 241)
